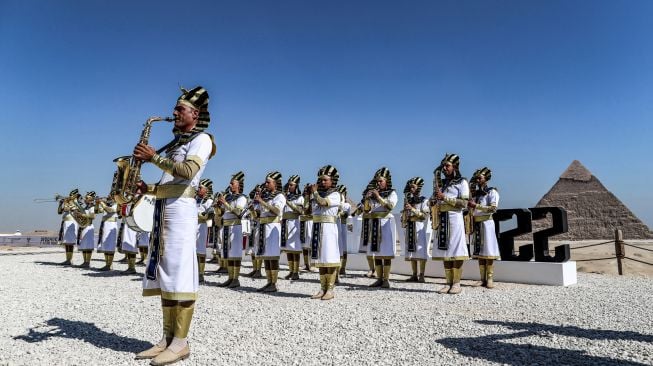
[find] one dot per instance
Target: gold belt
(111, 219)
(447, 208)
(482, 218)
(416, 219)
(305, 217)
(325, 219)
(376, 215)
(290, 215)
(174, 191)
(231, 222)
(68, 218)
(269, 220)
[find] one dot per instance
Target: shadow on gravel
(103, 274)
(56, 264)
(356, 287)
(499, 348)
(87, 332)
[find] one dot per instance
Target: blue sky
(523, 87)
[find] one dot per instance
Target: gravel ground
(72, 316)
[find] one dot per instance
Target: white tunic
(203, 208)
(87, 238)
(109, 229)
(69, 229)
(234, 247)
(423, 233)
(345, 208)
(328, 249)
(387, 246)
(177, 269)
(129, 240)
(456, 238)
(271, 248)
(293, 240)
(489, 247)
(143, 239)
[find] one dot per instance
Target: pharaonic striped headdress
(343, 190)
(331, 171)
(419, 182)
(74, 193)
(276, 176)
(385, 174)
(208, 184)
(240, 177)
(485, 171)
(454, 160)
(293, 179)
(196, 98)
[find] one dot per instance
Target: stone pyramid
(593, 212)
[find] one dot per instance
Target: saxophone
(128, 173)
(435, 209)
(404, 213)
(469, 216)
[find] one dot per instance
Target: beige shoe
(455, 289)
(150, 353)
(318, 295)
(445, 289)
(167, 357)
(490, 283)
(328, 295)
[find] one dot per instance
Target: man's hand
(141, 187)
(144, 152)
(439, 196)
(471, 204)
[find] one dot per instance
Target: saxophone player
(204, 206)
(417, 230)
(69, 227)
(172, 272)
(306, 227)
(363, 242)
(86, 235)
(233, 205)
(484, 202)
(451, 244)
(343, 213)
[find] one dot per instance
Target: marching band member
(233, 206)
(325, 251)
(86, 236)
(252, 215)
(363, 241)
(343, 214)
(108, 237)
(450, 200)
(204, 207)
(69, 227)
(380, 228)
(484, 202)
(417, 229)
(270, 202)
(172, 271)
(129, 246)
(306, 228)
(290, 226)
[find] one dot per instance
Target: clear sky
(523, 87)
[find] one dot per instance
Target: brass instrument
(435, 209)
(128, 174)
(57, 198)
(469, 215)
(408, 197)
(79, 214)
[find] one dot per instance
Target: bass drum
(141, 216)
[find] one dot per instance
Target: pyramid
(593, 212)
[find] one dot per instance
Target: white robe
(293, 241)
(203, 207)
(387, 247)
(109, 230)
(129, 240)
(272, 240)
(423, 233)
(342, 226)
(177, 269)
(234, 247)
(70, 227)
(457, 243)
(87, 238)
(143, 239)
(328, 253)
(489, 245)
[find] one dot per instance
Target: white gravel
(71, 316)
